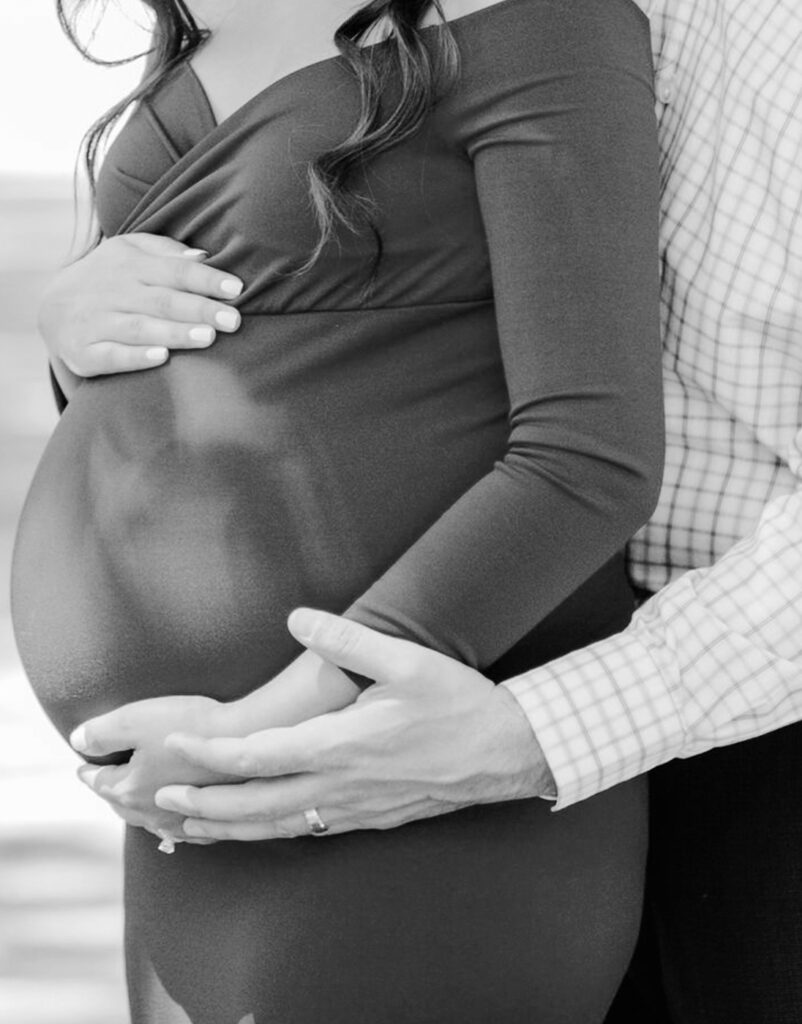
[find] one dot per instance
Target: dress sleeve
(560, 129)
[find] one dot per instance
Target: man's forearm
(715, 658)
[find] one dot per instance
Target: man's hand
(429, 737)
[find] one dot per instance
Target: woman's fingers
(161, 245)
(188, 275)
(135, 341)
(102, 780)
(185, 308)
(139, 330)
(143, 291)
(113, 784)
(161, 269)
(117, 730)
(103, 357)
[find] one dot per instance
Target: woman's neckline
(457, 24)
(333, 59)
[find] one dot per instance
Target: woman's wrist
(307, 687)
(230, 718)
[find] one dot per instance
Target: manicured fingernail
(168, 841)
(87, 773)
(194, 828)
(193, 253)
(205, 335)
(156, 355)
(302, 623)
(78, 740)
(231, 286)
(228, 319)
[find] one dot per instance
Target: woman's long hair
(423, 75)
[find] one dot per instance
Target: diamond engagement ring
(167, 844)
(317, 826)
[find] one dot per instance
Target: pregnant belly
(179, 515)
(159, 570)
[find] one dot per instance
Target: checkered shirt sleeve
(716, 656)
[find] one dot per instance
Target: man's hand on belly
(141, 727)
(429, 737)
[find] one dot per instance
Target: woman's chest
(253, 44)
(240, 189)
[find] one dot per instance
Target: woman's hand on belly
(128, 302)
(141, 727)
(429, 737)
(307, 687)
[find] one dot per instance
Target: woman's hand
(142, 726)
(125, 304)
(307, 687)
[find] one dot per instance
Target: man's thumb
(348, 644)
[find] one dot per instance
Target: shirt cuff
(601, 715)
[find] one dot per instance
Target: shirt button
(665, 88)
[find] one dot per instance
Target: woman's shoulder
(455, 10)
(510, 43)
(523, 61)
(527, 26)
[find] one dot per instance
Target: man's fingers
(256, 799)
(291, 826)
(266, 754)
(248, 831)
(355, 647)
(294, 824)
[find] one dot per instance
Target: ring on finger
(316, 825)
(167, 844)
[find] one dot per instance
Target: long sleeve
(560, 130)
(714, 658)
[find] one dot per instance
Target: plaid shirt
(716, 657)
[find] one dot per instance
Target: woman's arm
(561, 131)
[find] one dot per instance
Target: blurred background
(60, 878)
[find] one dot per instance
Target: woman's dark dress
(450, 458)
